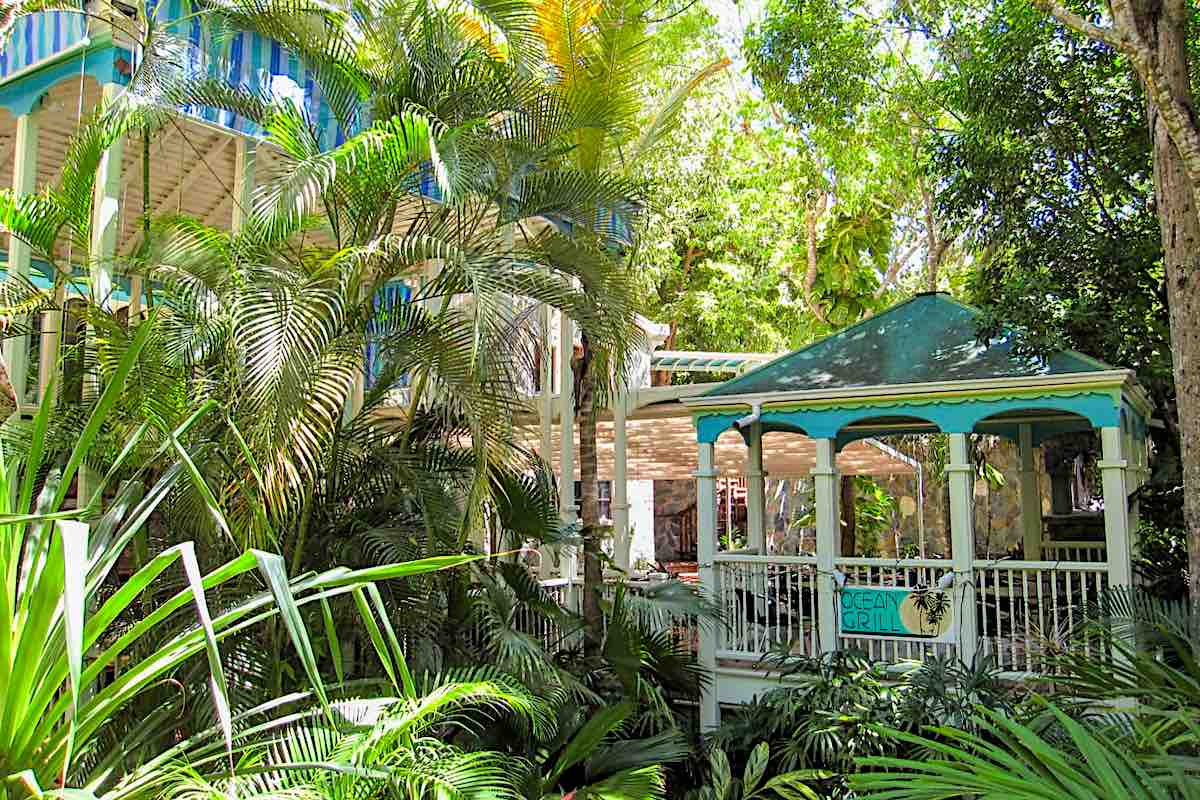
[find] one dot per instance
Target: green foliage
(830, 710)
(589, 758)
(751, 786)
(818, 61)
(874, 511)
(1125, 721)
(1010, 760)
(79, 650)
(1047, 172)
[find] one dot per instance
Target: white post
(962, 541)
(546, 412)
(826, 496)
(1031, 496)
(1116, 508)
(546, 379)
(106, 212)
(756, 493)
(706, 550)
(244, 162)
(566, 412)
(106, 217)
(620, 485)
(24, 182)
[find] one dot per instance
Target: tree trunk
(589, 499)
(1153, 35)
(849, 517)
(1179, 221)
(814, 210)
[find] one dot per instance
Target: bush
(835, 712)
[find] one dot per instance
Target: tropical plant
(589, 758)
(273, 320)
(78, 649)
(382, 746)
(754, 783)
(597, 54)
(832, 710)
(1007, 759)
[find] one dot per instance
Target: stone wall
(670, 498)
(997, 509)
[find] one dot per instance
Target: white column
(962, 541)
(826, 497)
(620, 485)
(756, 493)
(24, 182)
(1031, 496)
(244, 162)
(106, 212)
(106, 217)
(1116, 508)
(566, 411)
(706, 550)
(546, 379)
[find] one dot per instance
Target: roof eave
(1122, 378)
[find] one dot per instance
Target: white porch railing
(1029, 609)
(1024, 610)
(1091, 552)
(903, 573)
(767, 601)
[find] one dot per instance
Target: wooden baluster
(1025, 598)
(1041, 605)
(1070, 607)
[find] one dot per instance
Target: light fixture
(946, 581)
(839, 578)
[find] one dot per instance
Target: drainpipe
(754, 416)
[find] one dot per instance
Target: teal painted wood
(98, 63)
(960, 415)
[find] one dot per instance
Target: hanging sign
(883, 612)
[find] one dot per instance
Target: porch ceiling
(665, 449)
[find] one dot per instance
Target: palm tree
(599, 55)
(277, 316)
(86, 651)
(273, 320)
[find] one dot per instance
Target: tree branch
(1125, 37)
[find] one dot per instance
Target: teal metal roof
(930, 338)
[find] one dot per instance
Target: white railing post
(756, 493)
(1031, 497)
(962, 539)
(1116, 508)
(706, 550)
(620, 484)
(825, 485)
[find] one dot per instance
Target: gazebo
(916, 368)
